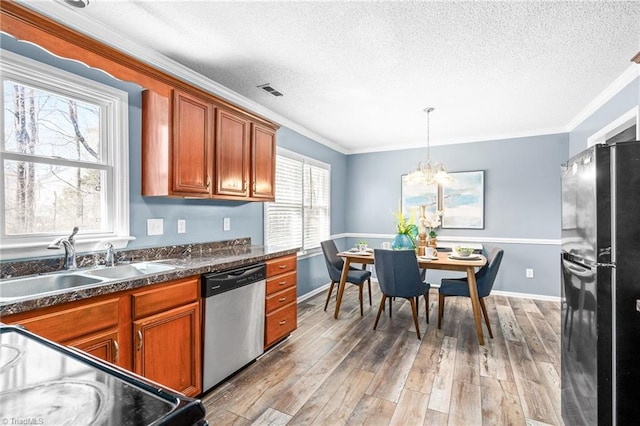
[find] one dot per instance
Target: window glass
(300, 215)
(65, 142)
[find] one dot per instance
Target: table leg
(343, 281)
(475, 302)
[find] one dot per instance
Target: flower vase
(402, 242)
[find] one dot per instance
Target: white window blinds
(300, 215)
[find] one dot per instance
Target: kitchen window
(65, 159)
(300, 215)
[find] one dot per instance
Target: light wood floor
(334, 372)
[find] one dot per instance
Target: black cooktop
(45, 383)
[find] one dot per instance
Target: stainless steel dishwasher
(233, 321)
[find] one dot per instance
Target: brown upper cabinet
(192, 144)
(232, 154)
(183, 156)
(263, 162)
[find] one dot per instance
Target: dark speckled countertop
(190, 260)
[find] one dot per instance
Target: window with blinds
(300, 215)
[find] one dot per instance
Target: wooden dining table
(443, 262)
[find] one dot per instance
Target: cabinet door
(167, 348)
(102, 345)
(232, 154)
(263, 162)
(192, 142)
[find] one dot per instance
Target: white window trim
(626, 120)
(116, 103)
(312, 161)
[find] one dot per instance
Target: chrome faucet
(69, 244)
(110, 255)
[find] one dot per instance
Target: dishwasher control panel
(220, 282)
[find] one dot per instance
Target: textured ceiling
(360, 73)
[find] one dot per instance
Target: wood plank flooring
(342, 372)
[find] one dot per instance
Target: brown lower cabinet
(154, 332)
(281, 309)
(103, 345)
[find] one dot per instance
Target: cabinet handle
(282, 266)
(254, 186)
(283, 322)
(139, 339)
(116, 348)
(282, 283)
(282, 299)
(208, 182)
(244, 185)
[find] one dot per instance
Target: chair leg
(369, 284)
(440, 309)
(360, 298)
(380, 309)
(486, 316)
(426, 308)
(414, 309)
(329, 295)
(390, 314)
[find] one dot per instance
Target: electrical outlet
(226, 224)
(182, 226)
(155, 226)
(529, 273)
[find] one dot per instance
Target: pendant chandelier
(427, 172)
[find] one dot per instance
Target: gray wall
(622, 102)
(522, 201)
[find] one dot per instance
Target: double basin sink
(21, 288)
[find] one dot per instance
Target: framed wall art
(463, 201)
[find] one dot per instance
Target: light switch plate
(155, 226)
(182, 226)
(226, 224)
(529, 273)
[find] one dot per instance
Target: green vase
(402, 242)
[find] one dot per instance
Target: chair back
(486, 276)
(398, 273)
(332, 260)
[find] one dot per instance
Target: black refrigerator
(601, 286)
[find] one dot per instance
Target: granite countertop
(187, 265)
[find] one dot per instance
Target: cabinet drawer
(281, 282)
(280, 323)
(162, 298)
(279, 299)
(74, 322)
(281, 265)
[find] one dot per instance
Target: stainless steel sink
(12, 290)
(130, 270)
(43, 284)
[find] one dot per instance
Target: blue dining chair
(334, 267)
(485, 278)
(399, 276)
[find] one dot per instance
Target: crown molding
(456, 141)
(630, 74)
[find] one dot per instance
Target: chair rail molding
(446, 238)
